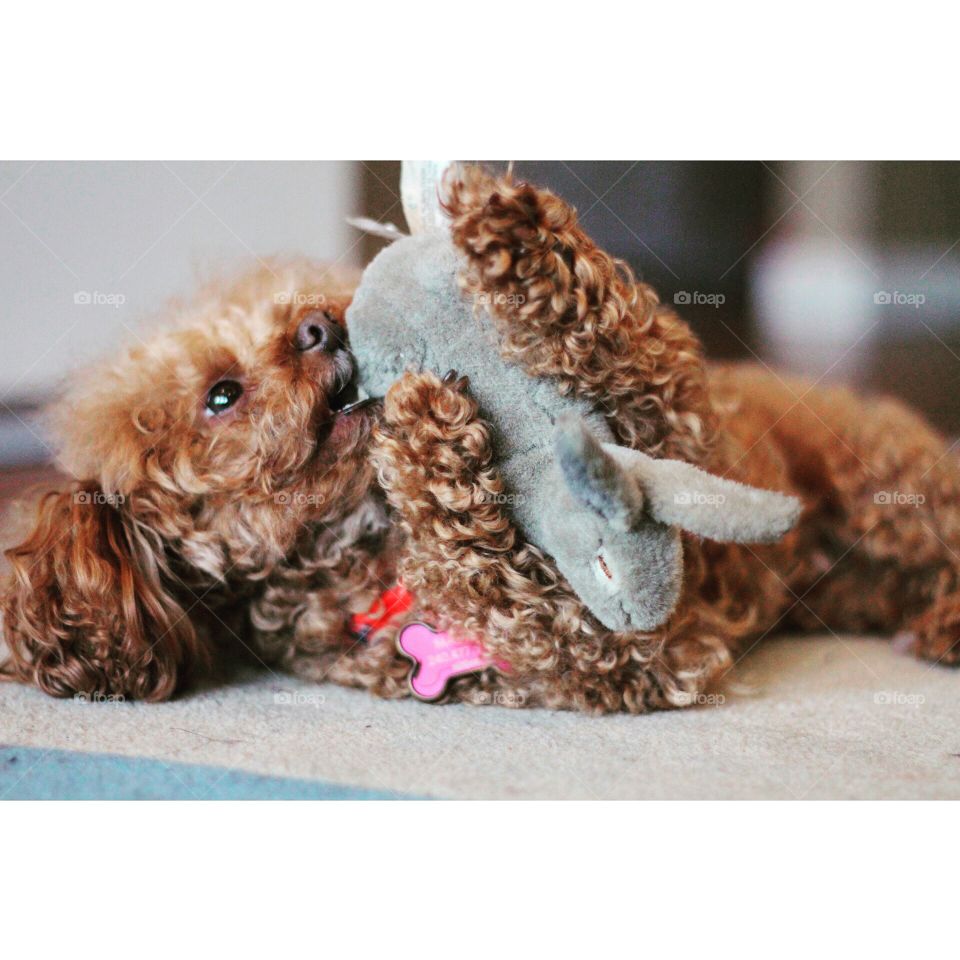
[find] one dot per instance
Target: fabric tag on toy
(386, 231)
(389, 605)
(438, 658)
(420, 182)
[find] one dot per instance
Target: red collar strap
(437, 657)
(389, 605)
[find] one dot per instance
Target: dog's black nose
(318, 331)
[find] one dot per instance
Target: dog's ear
(86, 609)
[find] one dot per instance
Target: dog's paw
(418, 399)
(451, 380)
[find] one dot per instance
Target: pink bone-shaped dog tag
(438, 658)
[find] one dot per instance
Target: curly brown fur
(477, 578)
(567, 310)
(130, 581)
(878, 547)
(187, 541)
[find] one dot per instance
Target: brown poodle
(225, 504)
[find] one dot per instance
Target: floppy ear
(85, 610)
(621, 484)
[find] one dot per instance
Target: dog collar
(389, 605)
(437, 657)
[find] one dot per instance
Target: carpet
(806, 718)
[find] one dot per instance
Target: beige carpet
(826, 718)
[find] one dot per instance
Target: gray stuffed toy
(609, 516)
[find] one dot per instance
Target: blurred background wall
(840, 271)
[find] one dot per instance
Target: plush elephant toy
(609, 516)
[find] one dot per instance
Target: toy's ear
(593, 477)
(620, 484)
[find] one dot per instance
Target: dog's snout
(318, 331)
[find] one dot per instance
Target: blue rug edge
(36, 773)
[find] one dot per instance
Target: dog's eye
(223, 395)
